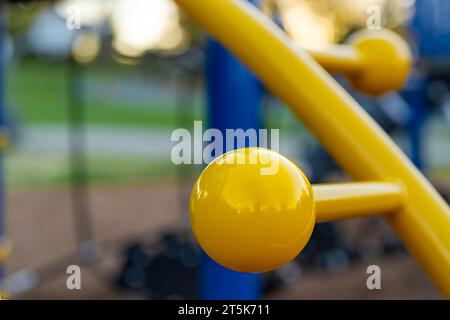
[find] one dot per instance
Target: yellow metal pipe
(339, 58)
(352, 200)
(352, 137)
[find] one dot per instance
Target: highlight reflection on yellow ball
(252, 210)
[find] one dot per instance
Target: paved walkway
(156, 142)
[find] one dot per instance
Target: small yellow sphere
(386, 61)
(252, 210)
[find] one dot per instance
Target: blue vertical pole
(415, 95)
(234, 99)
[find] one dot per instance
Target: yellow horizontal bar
(351, 136)
(338, 58)
(351, 200)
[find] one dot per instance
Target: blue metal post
(234, 99)
(416, 96)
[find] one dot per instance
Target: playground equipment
(268, 225)
(232, 90)
(422, 219)
(375, 62)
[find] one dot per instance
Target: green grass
(26, 170)
(38, 92)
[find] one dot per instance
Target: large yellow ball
(252, 210)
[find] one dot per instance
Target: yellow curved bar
(352, 137)
(353, 200)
